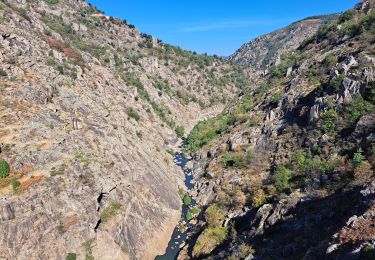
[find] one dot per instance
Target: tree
(189, 216)
(71, 256)
(180, 131)
(240, 199)
(258, 198)
(329, 118)
(214, 215)
(186, 200)
(358, 157)
(281, 178)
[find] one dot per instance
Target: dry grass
(68, 52)
(362, 229)
(70, 221)
(31, 181)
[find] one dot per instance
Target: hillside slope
(288, 171)
(89, 108)
(266, 50)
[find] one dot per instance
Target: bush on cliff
(281, 178)
(209, 239)
(186, 200)
(4, 168)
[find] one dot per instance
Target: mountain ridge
(265, 50)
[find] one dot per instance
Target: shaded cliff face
(89, 106)
(266, 50)
(288, 171)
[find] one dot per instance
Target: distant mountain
(266, 50)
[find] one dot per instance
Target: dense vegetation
(206, 131)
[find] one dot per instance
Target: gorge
(115, 145)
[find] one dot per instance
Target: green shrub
(369, 20)
(233, 159)
(356, 109)
(3, 73)
(258, 198)
(329, 119)
(71, 256)
(330, 61)
(23, 13)
(186, 200)
(195, 211)
(51, 2)
(335, 83)
(209, 239)
(180, 131)
(15, 184)
(244, 251)
(181, 191)
(109, 212)
(367, 253)
(352, 29)
(263, 88)
(307, 42)
(275, 99)
(192, 213)
(162, 111)
(214, 215)
(56, 23)
(358, 157)
(299, 159)
(310, 167)
(276, 72)
(346, 16)
(323, 31)
(88, 246)
(132, 80)
(58, 171)
(189, 216)
(207, 130)
(133, 114)
(4, 168)
(281, 178)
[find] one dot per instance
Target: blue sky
(215, 26)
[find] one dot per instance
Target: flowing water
(178, 238)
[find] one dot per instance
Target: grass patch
(133, 114)
(109, 212)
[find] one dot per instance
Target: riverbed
(180, 236)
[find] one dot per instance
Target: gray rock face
(80, 108)
(351, 61)
(315, 109)
(349, 89)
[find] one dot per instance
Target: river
(179, 237)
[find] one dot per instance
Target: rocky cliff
(287, 172)
(266, 50)
(89, 108)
